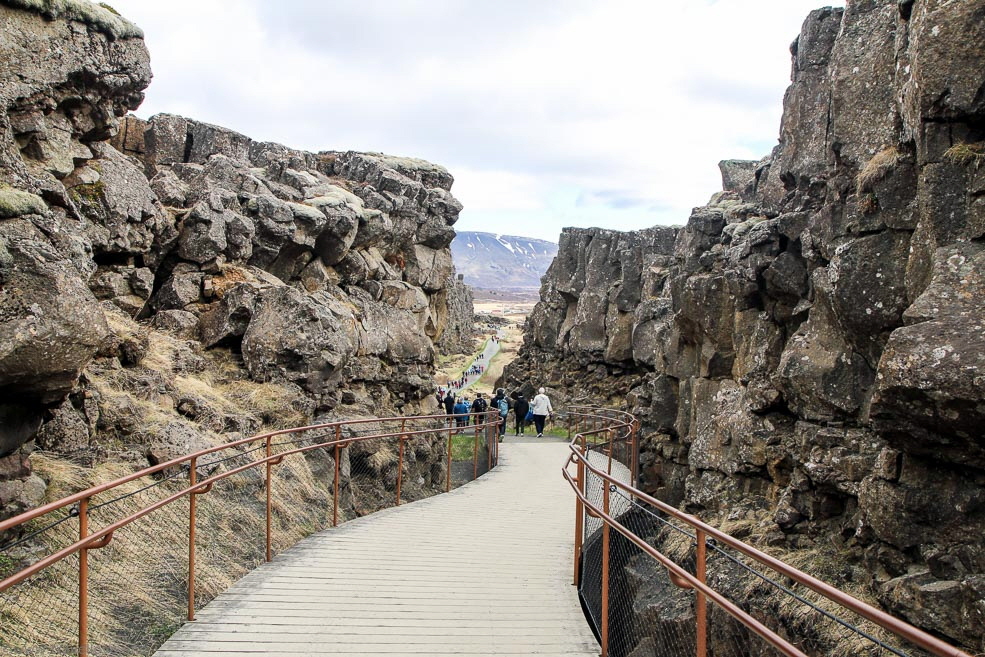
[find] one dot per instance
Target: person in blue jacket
(462, 412)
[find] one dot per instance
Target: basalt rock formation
(806, 353)
(134, 255)
(459, 334)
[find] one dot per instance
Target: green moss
(100, 17)
(7, 566)
(14, 203)
(90, 193)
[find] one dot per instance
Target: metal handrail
(703, 531)
(91, 541)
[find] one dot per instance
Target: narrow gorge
(807, 353)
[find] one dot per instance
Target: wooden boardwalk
(483, 570)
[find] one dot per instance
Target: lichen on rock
(15, 203)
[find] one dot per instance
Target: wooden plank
(483, 570)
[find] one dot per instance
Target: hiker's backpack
(504, 407)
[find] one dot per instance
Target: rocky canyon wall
(807, 353)
(155, 273)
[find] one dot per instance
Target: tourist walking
(520, 408)
(462, 413)
(449, 403)
(542, 409)
(501, 404)
(478, 407)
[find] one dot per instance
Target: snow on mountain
(490, 261)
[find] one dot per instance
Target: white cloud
(499, 191)
(611, 113)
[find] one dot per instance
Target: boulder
(50, 323)
(297, 338)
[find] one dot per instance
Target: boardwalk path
(482, 570)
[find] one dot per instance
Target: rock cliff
(806, 352)
(459, 334)
(137, 255)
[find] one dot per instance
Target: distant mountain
(491, 261)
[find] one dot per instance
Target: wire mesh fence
(195, 527)
(641, 573)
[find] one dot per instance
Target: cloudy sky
(549, 113)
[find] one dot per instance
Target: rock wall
(324, 276)
(459, 334)
(806, 353)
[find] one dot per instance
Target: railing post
(451, 424)
(84, 579)
(700, 604)
(612, 446)
(400, 463)
(635, 458)
(268, 552)
(579, 516)
(192, 507)
(496, 444)
(335, 493)
(492, 438)
(605, 571)
(475, 454)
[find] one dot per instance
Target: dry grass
(878, 167)
(137, 582)
(966, 153)
(382, 458)
(279, 405)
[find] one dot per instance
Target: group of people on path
(538, 410)
(474, 370)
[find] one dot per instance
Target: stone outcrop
(806, 352)
(459, 334)
(326, 275)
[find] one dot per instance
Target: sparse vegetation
(88, 193)
(878, 167)
(965, 153)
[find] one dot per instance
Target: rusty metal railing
(612, 500)
(197, 474)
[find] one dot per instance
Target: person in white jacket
(541, 409)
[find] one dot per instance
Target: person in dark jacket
(449, 403)
(478, 406)
(520, 408)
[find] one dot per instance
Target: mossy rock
(89, 193)
(14, 203)
(101, 17)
